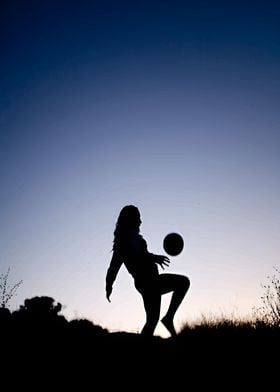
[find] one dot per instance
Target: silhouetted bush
(85, 327)
(39, 315)
(269, 312)
(5, 316)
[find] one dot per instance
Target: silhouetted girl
(130, 248)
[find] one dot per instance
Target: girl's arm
(112, 272)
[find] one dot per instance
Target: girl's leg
(152, 300)
(179, 285)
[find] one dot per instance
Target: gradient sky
(169, 105)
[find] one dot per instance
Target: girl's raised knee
(186, 282)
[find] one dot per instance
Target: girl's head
(129, 218)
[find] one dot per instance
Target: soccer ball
(173, 244)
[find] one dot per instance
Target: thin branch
(7, 292)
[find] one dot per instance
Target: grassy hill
(37, 340)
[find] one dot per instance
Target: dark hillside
(38, 341)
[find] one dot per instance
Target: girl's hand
(163, 261)
(108, 292)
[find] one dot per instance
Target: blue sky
(171, 106)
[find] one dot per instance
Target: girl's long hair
(129, 218)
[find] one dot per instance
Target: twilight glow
(171, 106)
